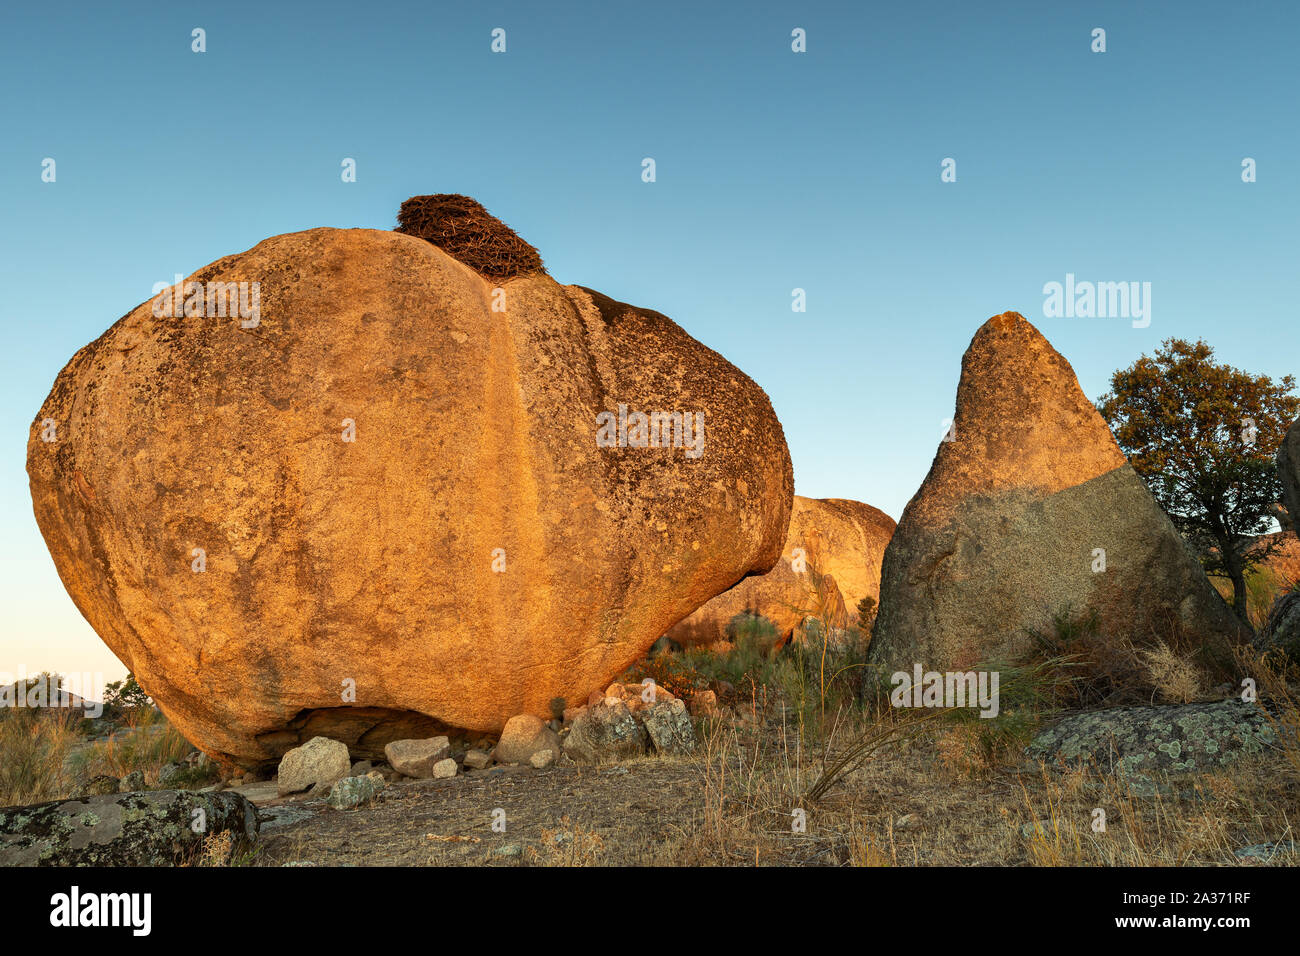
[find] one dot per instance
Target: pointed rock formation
(385, 505)
(1021, 506)
(842, 539)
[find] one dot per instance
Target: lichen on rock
(1177, 739)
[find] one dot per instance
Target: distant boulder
(831, 560)
(1029, 511)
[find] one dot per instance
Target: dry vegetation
(46, 755)
(807, 764)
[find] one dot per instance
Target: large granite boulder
(1030, 510)
(151, 828)
(399, 498)
(831, 560)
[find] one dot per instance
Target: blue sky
(775, 170)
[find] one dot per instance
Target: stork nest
(462, 228)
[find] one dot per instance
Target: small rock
(319, 762)
(1264, 852)
(168, 772)
(477, 759)
(100, 785)
(523, 736)
(361, 768)
(510, 849)
(354, 791)
(669, 728)
(906, 821)
(416, 758)
(605, 732)
(704, 703)
(542, 759)
(132, 782)
(444, 769)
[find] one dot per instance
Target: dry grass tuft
(1175, 678)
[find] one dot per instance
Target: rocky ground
(622, 781)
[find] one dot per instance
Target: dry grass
(913, 806)
(154, 743)
(44, 757)
(1176, 679)
(34, 745)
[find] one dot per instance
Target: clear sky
(775, 170)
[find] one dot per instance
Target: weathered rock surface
(471, 555)
(1014, 515)
(669, 728)
(354, 791)
(604, 732)
(842, 539)
(477, 759)
(417, 758)
(523, 736)
(317, 763)
(153, 828)
(542, 759)
(1188, 737)
(101, 784)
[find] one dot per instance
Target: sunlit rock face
(1030, 510)
(379, 507)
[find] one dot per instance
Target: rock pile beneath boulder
(524, 738)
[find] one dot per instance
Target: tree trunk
(1232, 563)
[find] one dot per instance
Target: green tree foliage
(1204, 436)
(124, 694)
